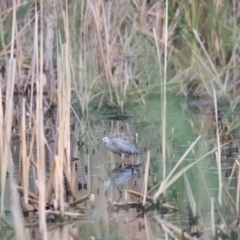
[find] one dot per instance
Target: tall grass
(40, 125)
(101, 54)
(112, 47)
(218, 153)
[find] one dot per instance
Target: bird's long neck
(108, 143)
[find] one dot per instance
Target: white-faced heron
(120, 146)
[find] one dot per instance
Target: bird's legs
(122, 156)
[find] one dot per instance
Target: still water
(114, 214)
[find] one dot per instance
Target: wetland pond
(190, 206)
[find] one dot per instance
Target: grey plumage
(120, 146)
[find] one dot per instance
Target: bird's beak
(100, 143)
(104, 139)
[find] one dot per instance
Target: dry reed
(163, 187)
(171, 228)
(212, 218)
(100, 53)
(218, 153)
(238, 189)
(25, 159)
(145, 181)
(190, 195)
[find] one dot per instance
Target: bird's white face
(106, 139)
(107, 183)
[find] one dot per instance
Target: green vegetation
(112, 50)
(62, 57)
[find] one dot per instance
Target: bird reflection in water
(121, 175)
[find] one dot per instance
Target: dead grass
(112, 49)
(105, 54)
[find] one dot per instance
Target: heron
(120, 146)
